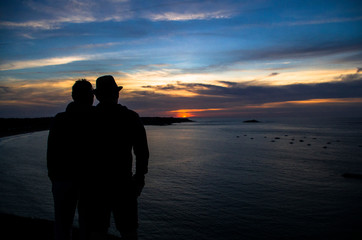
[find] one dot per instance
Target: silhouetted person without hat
(68, 151)
(114, 188)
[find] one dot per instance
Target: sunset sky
(185, 58)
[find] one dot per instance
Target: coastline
(16, 227)
(14, 126)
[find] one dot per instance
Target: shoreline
(17, 227)
(15, 126)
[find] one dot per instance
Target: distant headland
(251, 121)
(13, 126)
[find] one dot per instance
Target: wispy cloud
(50, 15)
(40, 98)
(174, 16)
(303, 22)
(320, 21)
(296, 51)
(41, 24)
(54, 15)
(38, 63)
(38, 93)
(101, 45)
(48, 24)
(273, 74)
(318, 101)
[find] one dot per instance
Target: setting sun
(184, 115)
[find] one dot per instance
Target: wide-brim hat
(106, 84)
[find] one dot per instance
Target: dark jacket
(119, 131)
(69, 143)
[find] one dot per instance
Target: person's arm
(140, 149)
(56, 148)
(52, 148)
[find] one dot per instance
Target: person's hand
(139, 183)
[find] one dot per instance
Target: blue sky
(185, 58)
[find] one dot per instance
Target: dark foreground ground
(15, 227)
(13, 126)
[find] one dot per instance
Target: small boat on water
(352, 175)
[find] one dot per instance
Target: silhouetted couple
(90, 162)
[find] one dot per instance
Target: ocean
(222, 179)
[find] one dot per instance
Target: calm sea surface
(222, 179)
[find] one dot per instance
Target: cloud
(192, 10)
(4, 89)
(349, 86)
(100, 45)
(321, 21)
(50, 15)
(174, 16)
(45, 24)
(294, 51)
(273, 74)
(164, 87)
(236, 100)
(38, 63)
(48, 24)
(32, 95)
(302, 20)
(228, 83)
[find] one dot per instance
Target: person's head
(82, 92)
(107, 89)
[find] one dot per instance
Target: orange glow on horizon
(307, 102)
(186, 113)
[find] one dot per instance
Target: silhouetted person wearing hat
(68, 151)
(113, 187)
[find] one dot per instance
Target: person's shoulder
(58, 121)
(60, 116)
(128, 111)
(65, 114)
